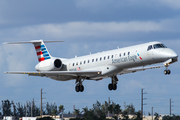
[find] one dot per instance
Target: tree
(48, 109)
(61, 110)
(20, 110)
(138, 116)
(125, 115)
(6, 107)
(89, 115)
(76, 112)
(14, 110)
(129, 109)
(117, 109)
(45, 118)
(54, 112)
(156, 116)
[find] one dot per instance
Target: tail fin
(41, 50)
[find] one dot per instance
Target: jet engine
(53, 64)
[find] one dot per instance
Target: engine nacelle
(53, 64)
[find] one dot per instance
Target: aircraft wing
(55, 73)
(132, 70)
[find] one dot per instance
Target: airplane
(100, 65)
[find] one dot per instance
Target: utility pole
(142, 99)
(170, 107)
(108, 105)
(152, 113)
(41, 103)
(26, 109)
(32, 109)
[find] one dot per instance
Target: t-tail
(41, 50)
(46, 61)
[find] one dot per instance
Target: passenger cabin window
(128, 53)
(104, 58)
(159, 46)
(88, 61)
(96, 59)
(73, 64)
(81, 63)
(124, 54)
(100, 58)
(112, 56)
(149, 47)
(108, 57)
(92, 60)
(120, 55)
(77, 63)
(84, 62)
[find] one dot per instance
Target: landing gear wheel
(167, 72)
(114, 86)
(110, 86)
(81, 88)
(77, 88)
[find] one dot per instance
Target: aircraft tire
(77, 88)
(81, 88)
(114, 86)
(110, 86)
(165, 72)
(168, 72)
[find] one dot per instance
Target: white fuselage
(112, 62)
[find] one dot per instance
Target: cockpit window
(159, 46)
(149, 47)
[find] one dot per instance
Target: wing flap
(56, 73)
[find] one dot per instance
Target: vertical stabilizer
(41, 50)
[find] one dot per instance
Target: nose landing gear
(167, 72)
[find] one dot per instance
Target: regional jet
(100, 65)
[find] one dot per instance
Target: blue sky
(88, 26)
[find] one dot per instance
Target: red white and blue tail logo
(42, 52)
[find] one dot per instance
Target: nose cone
(168, 53)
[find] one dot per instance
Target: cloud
(80, 29)
(16, 58)
(101, 4)
(175, 4)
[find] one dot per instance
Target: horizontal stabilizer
(32, 41)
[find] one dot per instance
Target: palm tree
(61, 109)
(76, 112)
(53, 113)
(85, 110)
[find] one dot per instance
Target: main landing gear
(113, 84)
(79, 86)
